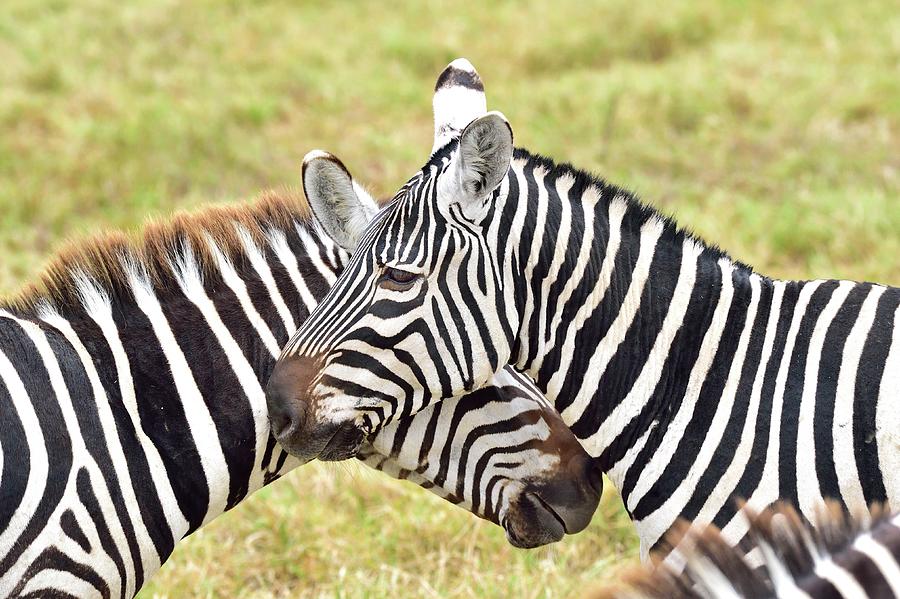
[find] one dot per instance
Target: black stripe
(86, 410)
(669, 393)
(69, 525)
(89, 500)
(868, 384)
(227, 402)
(453, 77)
(13, 442)
(162, 413)
(757, 459)
(731, 436)
(826, 391)
(793, 392)
(631, 356)
(52, 558)
(24, 357)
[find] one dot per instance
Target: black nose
(285, 395)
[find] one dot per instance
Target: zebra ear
(338, 203)
(482, 161)
(458, 99)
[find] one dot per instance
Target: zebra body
(131, 388)
(841, 557)
(691, 378)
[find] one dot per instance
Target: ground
(772, 129)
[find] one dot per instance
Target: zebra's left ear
(458, 99)
(338, 203)
(481, 162)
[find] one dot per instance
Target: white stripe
(197, 415)
(674, 504)
(887, 419)
(563, 185)
(192, 286)
(539, 208)
(239, 288)
(768, 490)
(676, 429)
(265, 274)
(883, 559)
(279, 244)
(842, 580)
(312, 246)
(606, 349)
(97, 305)
(642, 389)
(734, 530)
(809, 494)
(842, 428)
(60, 580)
(587, 204)
(37, 458)
(110, 435)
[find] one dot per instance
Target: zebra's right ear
(338, 203)
(481, 162)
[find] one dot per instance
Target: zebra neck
(621, 313)
(180, 365)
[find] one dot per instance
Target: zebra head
(502, 452)
(421, 312)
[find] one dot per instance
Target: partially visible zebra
(131, 389)
(842, 556)
(691, 378)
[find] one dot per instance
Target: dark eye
(398, 280)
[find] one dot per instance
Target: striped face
(420, 314)
(502, 453)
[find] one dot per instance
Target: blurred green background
(772, 129)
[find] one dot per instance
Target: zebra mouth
(534, 523)
(344, 444)
(549, 509)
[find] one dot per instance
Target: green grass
(772, 129)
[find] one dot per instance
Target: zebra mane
(152, 249)
(639, 211)
(790, 550)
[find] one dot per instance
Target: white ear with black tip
(338, 203)
(481, 162)
(458, 100)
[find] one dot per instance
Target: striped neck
(619, 310)
(180, 350)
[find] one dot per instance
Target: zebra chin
(545, 511)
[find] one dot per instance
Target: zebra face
(420, 314)
(501, 452)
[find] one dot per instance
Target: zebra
(131, 388)
(691, 378)
(841, 556)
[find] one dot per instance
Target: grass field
(770, 128)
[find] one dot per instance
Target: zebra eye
(398, 280)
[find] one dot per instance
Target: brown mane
(152, 246)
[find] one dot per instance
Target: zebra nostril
(286, 416)
(594, 475)
(287, 411)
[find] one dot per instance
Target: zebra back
(841, 556)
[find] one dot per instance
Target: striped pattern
(839, 558)
(691, 378)
(134, 412)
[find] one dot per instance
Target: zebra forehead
(103, 258)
